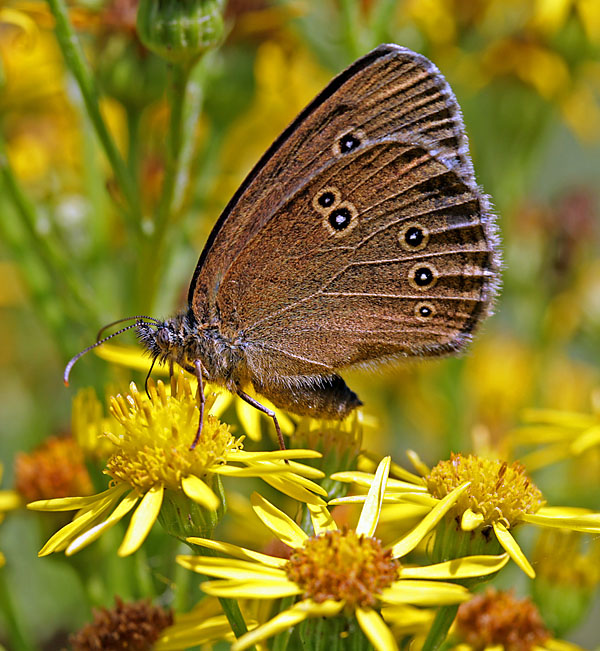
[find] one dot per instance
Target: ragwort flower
(153, 461)
(558, 434)
(497, 497)
(335, 572)
(249, 416)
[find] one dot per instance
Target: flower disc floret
(157, 432)
(343, 566)
(498, 491)
(500, 620)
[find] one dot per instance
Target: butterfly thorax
(183, 340)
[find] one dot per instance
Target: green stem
(17, 634)
(440, 627)
(230, 606)
(281, 640)
(133, 146)
(55, 263)
(186, 101)
(78, 67)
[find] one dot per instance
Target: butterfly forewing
(360, 235)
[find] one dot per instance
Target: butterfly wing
(360, 235)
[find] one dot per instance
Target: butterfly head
(163, 339)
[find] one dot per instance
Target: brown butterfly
(359, 237)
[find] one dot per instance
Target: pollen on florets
(343, 566)
(500, 620)
(154, 447)
(499, 491)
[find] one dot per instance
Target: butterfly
(360, 237)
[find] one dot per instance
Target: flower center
(54, 469)
(499, 492)
(500, 620)
(157, 433)
(343, 566)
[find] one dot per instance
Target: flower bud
(180, 30)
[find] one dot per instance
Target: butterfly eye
(413, 237)
(163, 337)
(422, 276)
(424, 311)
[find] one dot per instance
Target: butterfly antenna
(72, 361)
(127, 318)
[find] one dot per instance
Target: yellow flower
(493, 495)
(249, 416)
(345, 572)
(153, 460)
(563, 434)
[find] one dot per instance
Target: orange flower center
(342, 566)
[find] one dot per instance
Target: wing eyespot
(326, 199)
(413, 237)
(424, 311)
(422, 276)
(342, 219)
(348, 141)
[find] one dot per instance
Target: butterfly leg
(265, 410)
(201, 401)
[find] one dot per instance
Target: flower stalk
(77, 65)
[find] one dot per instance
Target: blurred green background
(527, 76)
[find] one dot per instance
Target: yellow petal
(414, 537)
(587, 439)
(586, 523)
(222, 401)
(245, 456)
(61, 539)
(278, 522)
(92, 534)
(258, 589)
(470, 520)
(198, 491)
(238, 552)
(424, 593)
(230, 568)
(369, 516)
(400, 472)
(364, 479)
(184, 636)
(130, 356)
(514, 551)
(9, 500)
(249, 418)
(458, 568)
(321, 519)
(375, 629)
(141, 521)
(418, 465)
(289, 485)
(74, 503)
(284, 620)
